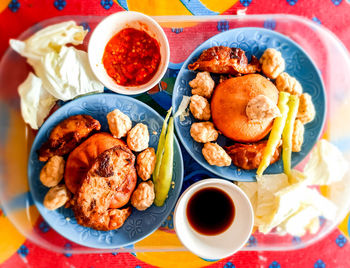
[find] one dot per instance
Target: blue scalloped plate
(254, 41)
(141, 223)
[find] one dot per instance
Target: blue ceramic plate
(254, 41)
(141, 223)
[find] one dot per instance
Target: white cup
(223, 244)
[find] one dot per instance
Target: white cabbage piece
(339, 192)
(326, 164)
(298, 223)
(36, 101)
(67, 74)
(287, 201)
(266, 207)
(49, 39)
(324, 206)
(306, 218)
(251, 190)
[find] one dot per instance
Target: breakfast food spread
(131, 57)
(101, 170)
(246, 107)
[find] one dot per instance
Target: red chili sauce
(131, 57)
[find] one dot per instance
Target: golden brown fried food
(67, 135)
(95, 195)
(145, 163)
(52, 173)
(228, 107)
(272, 63)
(225, 60)
(216, 155)
(248, 156)
(82, 158)
(56, 197)
(143, 196)
(203, 85)
(123, 194)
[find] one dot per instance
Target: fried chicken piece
(225, 60)
(145, 163)
(216, 155)
(138, 138)
(200, 108)
(97, 190)
(272, 63)
(204, 132)
(298, 136)
(306, 111)
(67, 135)
(143, 196)
(203, 85)
(248, 156)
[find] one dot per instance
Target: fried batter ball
(52, 173)
(145, 163)
(143, 196)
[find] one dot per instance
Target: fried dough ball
(119, 123)
(200, 107)
(202, 85)
(203, 132)
(298, 136)
(306, 111)
(216, 155)
(56, 197)
(143, 196)
(145, 163)
(138, 138)
(272, 63)
(261, 108)
(52, 173)
(287, 83)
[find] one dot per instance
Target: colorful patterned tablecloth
(17, 15)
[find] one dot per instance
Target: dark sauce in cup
(210, 211)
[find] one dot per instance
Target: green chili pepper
(287, 134)
(160, 148)
(275, 134)
(163, 180)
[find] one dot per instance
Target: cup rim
(160, 37)
(218, 183)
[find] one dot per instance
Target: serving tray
(185, 33)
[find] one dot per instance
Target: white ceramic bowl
(110, 26)
(224, 244)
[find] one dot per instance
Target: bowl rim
(161, 39)
(215, 182)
